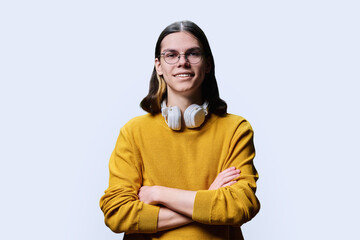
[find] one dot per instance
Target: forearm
(178, 200)
(182, 201)
(169, 219)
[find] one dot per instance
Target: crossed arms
(179, 204)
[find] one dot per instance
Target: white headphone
(194, 115)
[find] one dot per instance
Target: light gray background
(73, 72)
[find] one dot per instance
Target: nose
(183, 60)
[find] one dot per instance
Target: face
(183, 77)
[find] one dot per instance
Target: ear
(158, 67)
(208, 65)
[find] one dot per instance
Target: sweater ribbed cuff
(202, 206)
(148, 218)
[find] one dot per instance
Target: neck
(183, 101)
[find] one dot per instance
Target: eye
(194, 53)
(171, 55)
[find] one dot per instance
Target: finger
(228, 184)
(229, 171)
(226, 177)
(230, 178)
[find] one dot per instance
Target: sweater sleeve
(122, 209)
(235, 204)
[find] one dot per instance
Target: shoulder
(141, 123)
(139, 120)
(235, 121)
(240, 130)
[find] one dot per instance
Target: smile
(184, 75)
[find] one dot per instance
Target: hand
(225, 178)
(147, 194)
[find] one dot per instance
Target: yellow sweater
(148, 153)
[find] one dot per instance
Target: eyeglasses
(173, 57)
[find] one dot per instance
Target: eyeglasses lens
(174, 57)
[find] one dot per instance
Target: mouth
(184, 75)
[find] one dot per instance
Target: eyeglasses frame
(185, 55)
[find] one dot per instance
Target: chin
(185, 90)
(184, 87)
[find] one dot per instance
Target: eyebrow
(187, 50)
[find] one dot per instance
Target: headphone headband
(194, 115)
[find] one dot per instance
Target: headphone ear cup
(174, 118)
(194, 116)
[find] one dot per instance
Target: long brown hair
(157, 87)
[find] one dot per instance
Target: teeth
(183, 75)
